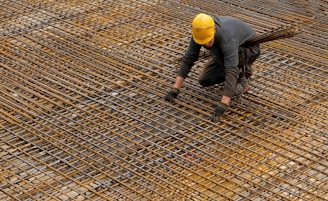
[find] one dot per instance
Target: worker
(231, 58)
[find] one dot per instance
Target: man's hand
(219, 112)
(171, 95)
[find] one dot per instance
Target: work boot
(241, 87)
(244, 84)
(239, 90)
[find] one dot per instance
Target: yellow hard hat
(202, 28)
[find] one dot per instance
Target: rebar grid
(83, 116)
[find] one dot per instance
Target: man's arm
(178, 82)
(225, 99)
(188, 61)
(231, 76)
(232, 73)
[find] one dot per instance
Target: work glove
(171, 95)
(219, 112)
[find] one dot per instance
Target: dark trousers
(214, 72)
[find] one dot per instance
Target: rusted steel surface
(83, 115)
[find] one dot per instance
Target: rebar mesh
(83, 115)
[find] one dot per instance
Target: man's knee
(205, 82)
(211, 82)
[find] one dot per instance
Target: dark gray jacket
(230, 34)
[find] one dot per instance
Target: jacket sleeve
(189, 58)
(232, 73)
(231, 60)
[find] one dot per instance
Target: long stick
(279, 33)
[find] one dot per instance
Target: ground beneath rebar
(82, 113)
